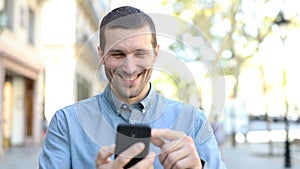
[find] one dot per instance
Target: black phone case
(127, 135)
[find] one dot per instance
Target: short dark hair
(126, 17)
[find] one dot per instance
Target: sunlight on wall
(58, 23)
(58, 38)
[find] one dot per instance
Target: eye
(117, 54)
(142, 53)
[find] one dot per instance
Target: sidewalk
(244, 156)
(249, 156)
(21, 158)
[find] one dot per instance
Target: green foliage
(174, 86)
(237, 26)
(229, 24)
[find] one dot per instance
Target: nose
(129, 64)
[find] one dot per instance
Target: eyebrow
(121, 51)
(142, 50)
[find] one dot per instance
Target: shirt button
(143, 111)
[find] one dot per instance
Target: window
(3, 15)
(9, 7)
(31, 28)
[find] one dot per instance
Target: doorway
(23, 131)
(7, 112)
(29, 99)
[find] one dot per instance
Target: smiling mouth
(130, 79)
(133, 78)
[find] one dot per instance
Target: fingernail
(140, 145)
(153, 132)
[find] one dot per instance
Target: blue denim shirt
(77, 132)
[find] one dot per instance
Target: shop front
(21, 103)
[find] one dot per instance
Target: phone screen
(127, 135)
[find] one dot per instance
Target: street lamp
(282, 23)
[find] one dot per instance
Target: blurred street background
(246, 156)
(242, 59)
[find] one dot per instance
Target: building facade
(70, 40)
(21, 73)
(48, 59)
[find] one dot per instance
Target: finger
(167, 134)
(185, 155)
(124, 157)
(147, 162)
(157, 141)
(104, 154)
(174, 157)
(151, 154)
(168, 148)
(175, 144)
(188, 162)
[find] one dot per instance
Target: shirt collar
(117, 105)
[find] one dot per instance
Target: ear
(101, 55)
(156, 50)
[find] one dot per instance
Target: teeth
(130, 79)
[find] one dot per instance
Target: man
(83, 133)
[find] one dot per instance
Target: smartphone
(127, 135)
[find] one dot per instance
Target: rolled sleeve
(207, 145)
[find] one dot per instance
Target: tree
(236, 28)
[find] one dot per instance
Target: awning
(20, 61)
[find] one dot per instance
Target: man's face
(128, 58)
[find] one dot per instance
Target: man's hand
(177, 149)
(103, 160)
